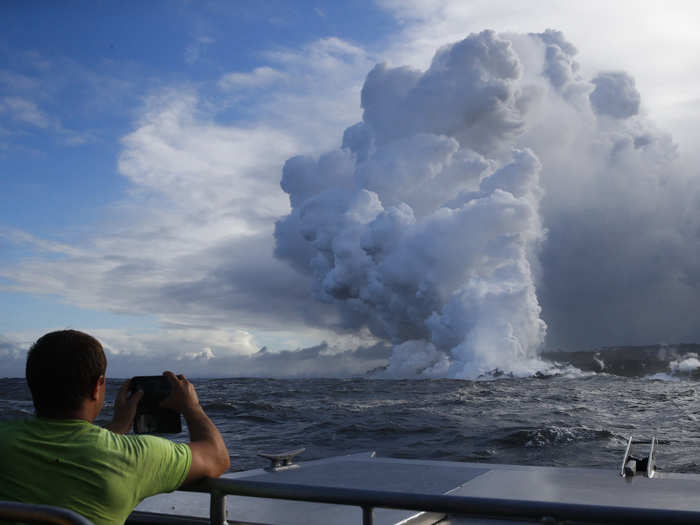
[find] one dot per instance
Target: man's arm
(209, 454)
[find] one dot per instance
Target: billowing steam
(472, 187)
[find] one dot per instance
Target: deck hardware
(633, 465)
(281, 460)
(367, 515)
(217, 508)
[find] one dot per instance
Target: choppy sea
(561, 421)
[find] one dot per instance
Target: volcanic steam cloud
(469, 189)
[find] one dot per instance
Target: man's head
(64, 369)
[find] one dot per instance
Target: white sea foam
(662, 376)
(685, 366)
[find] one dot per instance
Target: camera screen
(150, 417)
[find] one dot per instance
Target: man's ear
(100, 383)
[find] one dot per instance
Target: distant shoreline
(631, 361)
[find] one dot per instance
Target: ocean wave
(254, 418)
(662, 376)
(555, 435)
(539, 370)
(219, 405)
(390, 429)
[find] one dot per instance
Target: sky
(238, 188)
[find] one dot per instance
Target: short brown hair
(62, 370)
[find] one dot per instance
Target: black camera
(150, 417)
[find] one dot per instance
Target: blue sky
(80, 75)
(141, 149)
(85, 69)
(75, 80)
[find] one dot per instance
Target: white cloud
(192, 241)
(179, 153)
(31, 101)
(178, 343)
(194, 49)
(21, 237)
(325, 78)
(198, 354)
(654, 42)
(615, 264)
(13, 81)
(259, 77)
(25, 111)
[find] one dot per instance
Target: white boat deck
(506, 482)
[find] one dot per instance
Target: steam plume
(473, 187)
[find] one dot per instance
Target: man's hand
(183, 397)
(124, 409)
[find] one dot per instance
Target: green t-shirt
(79, 466)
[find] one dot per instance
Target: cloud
(13, 352)
(177, 153)
(193, 51)
(24, 111)
(412, 232)
(506, 182)
(615, 95)
(16, 82)
(144, 354)
(260, 76)
(435, 101)
(403, 229)
(636, 36)
(327, 77)
(43, 98)
(21, 237)
(191, 243)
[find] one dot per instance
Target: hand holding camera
(164, 399)
(183, 397)
(125, 406)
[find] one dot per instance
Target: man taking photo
(60, 458)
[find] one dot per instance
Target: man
(60, 458)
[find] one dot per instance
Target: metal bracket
(651, 460)
(624, 469)
(281, 460)
(631, 464)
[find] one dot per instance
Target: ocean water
(575, 422)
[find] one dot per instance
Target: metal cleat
(281, 460)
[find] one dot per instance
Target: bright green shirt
(79, 466)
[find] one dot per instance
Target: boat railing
(30, 513)
(445, 504)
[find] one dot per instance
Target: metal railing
(30, 513)
(368, 500)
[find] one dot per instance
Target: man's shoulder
(30, 433)
(11, 427)
(11, 424)
(140, 444)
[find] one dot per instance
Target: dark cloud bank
(495, 205)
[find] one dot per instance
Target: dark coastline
(628, 361)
